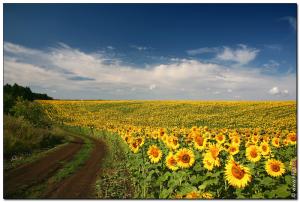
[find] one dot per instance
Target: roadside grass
(20, 137)
(37, 191)
(20, 159)
(114, 181)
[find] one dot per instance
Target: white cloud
(152, 86)
(241, 55)
(276, 91)
(76, 74)
(271, 66)
(202, 50)
(110, 47)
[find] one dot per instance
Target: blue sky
(152, 51)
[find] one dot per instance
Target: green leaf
(164, 177)
(202, 186)
(288, 179)
(198, 167)
(186, 188)
(267, 181)
(165, 193)
(258, 196)
(194, 180)
(172, 183)
(181, 173)
(239, 194)
(282, 191)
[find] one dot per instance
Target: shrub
(31, 111)
(21, 137)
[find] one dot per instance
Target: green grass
(22, 138)
(79, 160)
(115, 179)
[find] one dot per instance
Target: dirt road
(78, 185)
(81, 183)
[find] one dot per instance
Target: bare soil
(78, 185)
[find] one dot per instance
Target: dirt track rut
(78, 185)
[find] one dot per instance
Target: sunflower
(189, 138)
(237, 175)
(154, 135)
(208, 164)
(199, 142)
(285, 142)
(235, 140)
(207, 195)
(154, 153)
(213, 154)
(172, 142)
(220, 138)
(266, 138)
(264, 148)
(275, 142)
(193, 195)
(292, 138)
(162, 133)
(252, 153)
(178, 196)
(255, 139)
(171, 162)
(194, 129)
(185, 158)
(140, 141)
(134, 146)
(275, 168)
(233, 149)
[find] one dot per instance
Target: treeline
(11, 93)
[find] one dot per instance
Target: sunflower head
(252, 153)
(220, 138)
(208, 163)
(292, 138)
(185, 158)
(134, 146)
(199, 142)
(207, 195)
(172, 142)
(193, 195)
(171, 162)
(214, 150)
(276, 142)
(233, 149)
(265, 148)
(237, 175)
(255, 139)
(275, 168)
(154, 153)
(266, 138)
(235, 140)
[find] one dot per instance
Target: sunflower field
(197, 149)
